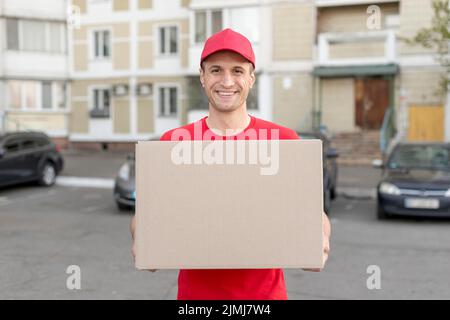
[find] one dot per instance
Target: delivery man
(227, 74)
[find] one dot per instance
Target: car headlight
(447, 194)
(124, 172)
(389, 188)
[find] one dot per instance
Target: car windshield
(420, 157)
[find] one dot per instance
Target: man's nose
(227, 79)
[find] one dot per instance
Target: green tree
(437, 37)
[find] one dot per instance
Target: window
(41, 142)
(60, 95)
(12, 146)
(200, 26)
(57, 37)
(28, 144)
(252, 99)
(168, 40)
(35, 36)
(46, 95)
(101, 103)
(216, 21)
(29, 89)
(420, 156)
(168, 102)
(197, 97)
(207, 23)
(15, 94)
(102, 44)
(36, 95)
(12, 30)
(173, 101)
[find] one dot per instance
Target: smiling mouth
(226, 93)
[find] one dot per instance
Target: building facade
(341, 64)
(130, 61)
(34, 67)
(350, 66)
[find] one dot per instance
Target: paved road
(99, 164)
(43, 231)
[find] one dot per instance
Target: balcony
(39, 9)
(359, 48)
(34, 64)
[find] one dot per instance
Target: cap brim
(227, 49)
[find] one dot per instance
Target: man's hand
(326, 242)
(133, 246)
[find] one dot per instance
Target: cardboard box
(197, 208)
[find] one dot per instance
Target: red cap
(228, 40)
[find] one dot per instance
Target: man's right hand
(133, 246)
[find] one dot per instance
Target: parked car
(124, 186)
(330, 167)
(415, 181)
(28, 156)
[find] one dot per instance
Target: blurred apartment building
(34, 67)
(336, 63)
(134, 68)
(136, 65)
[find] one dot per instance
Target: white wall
(2, 43)
(222, 3)
(2, 94)
(35, 65)
(45, 9)
(2, 104)
(164, 6)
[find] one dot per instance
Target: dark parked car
(124, 187)
(28, 156)
(415, 181)
(330, 168)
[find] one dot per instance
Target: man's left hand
(326, 242)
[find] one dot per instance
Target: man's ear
(202, 77)
(253, 77)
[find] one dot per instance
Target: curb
(103, 183)
(81, 182)
(357, 193)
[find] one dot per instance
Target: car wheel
(123, 207)
(381, 214)
(333, 193)
(47, 177)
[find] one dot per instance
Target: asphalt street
(43, 231)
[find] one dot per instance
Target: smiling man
(227, 74)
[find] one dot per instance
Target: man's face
(227, 78)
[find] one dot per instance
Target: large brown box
(204, 215)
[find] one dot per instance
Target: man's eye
(214, 70)
(238, 71)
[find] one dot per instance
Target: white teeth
(225, 93)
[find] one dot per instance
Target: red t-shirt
(242, 284)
